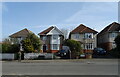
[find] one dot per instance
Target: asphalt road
(61, 67)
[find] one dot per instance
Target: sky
(38, 16)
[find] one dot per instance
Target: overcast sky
(37, 16)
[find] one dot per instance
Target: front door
(44, 48)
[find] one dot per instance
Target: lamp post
(21, 49)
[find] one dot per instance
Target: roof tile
(112, 27)
(46, 31)
(83, 29)
(22, 33)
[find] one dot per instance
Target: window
(88, 35)
(76, 36)
(113, 45)
(88, 46)
(113, 35)
(44, 38)
(55, 37)
(55, 47)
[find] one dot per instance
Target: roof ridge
(46, 30)
(111, 25)
(23, 31)
(83, 29)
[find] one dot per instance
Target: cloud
(94, 14)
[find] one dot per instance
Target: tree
(74, 46)
(65, 33)
(7, 47)
(116, 51)
(117, 41)
(31, 43)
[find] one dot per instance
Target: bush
(74, 46)
(31, 43)
(8, 48)
(116, 51)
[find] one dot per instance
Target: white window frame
(76, 36)
(88, 46)
(87, 35)
(44, 38)
(113, 35)
(113, 45)
(55, 37)
(52, 47)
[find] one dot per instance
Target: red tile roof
(112, 27)
(83, 29)
(46, 31)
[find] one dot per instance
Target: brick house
(107, 35)
(52, 39)
(86, 36)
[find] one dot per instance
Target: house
(86, 36)
(20, 35)
(52, 39)
(107, 35)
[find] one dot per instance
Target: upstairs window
(55, 37)
(44, 37)
(113, 35)
(76, 36)
(88, 35)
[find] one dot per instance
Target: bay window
(55, 46)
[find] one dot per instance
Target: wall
(7, 56)
(81, 38)
(35, 55)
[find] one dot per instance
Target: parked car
(99, 51)
(64, 53)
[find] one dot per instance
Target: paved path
(61, 67)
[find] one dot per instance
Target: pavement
(61, 67)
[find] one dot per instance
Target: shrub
(8, 48)
(75, 46)
(31, 43)
(116, 51)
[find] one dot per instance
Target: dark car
(61, 53)
(64, 53)
(99, 51)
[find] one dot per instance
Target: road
(61, 67)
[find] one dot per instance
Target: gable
(83, 29)
(111, 28)
(46, 31)
(22, 33)
(55, 31)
